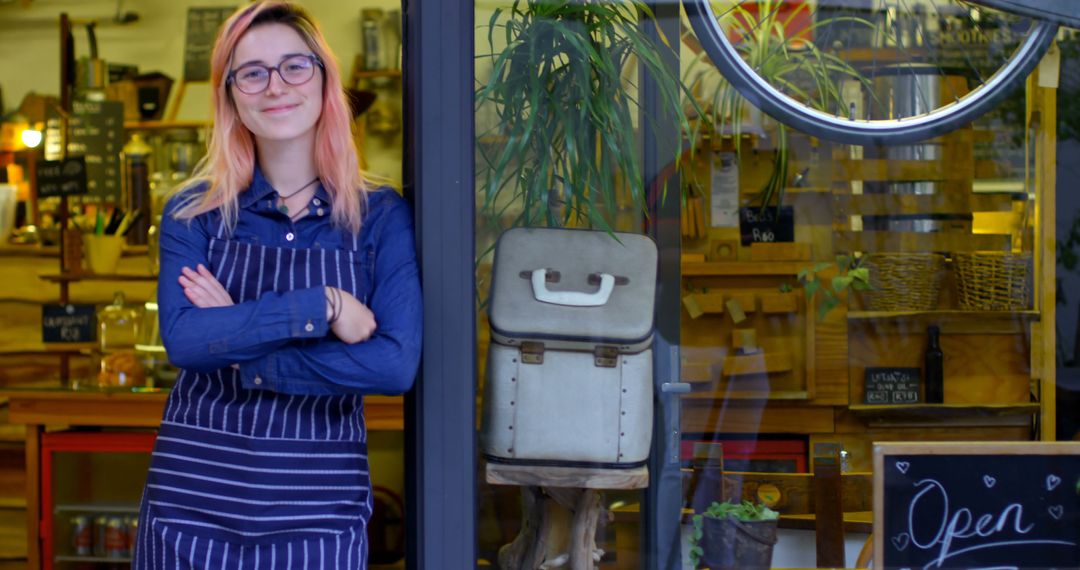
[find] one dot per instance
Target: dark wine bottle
(933, 367)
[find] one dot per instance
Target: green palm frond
(567, 139)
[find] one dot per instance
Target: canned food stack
(103, 535)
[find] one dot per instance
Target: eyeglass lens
(254, 78)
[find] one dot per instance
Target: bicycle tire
(799, 116)
(1057, 11)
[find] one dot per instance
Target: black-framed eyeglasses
(254, 78)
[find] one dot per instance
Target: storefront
(834, 322)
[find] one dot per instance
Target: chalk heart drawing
(1056, 511)
(903, 466)
(901, 541)
(1052, 481)
(989, 481)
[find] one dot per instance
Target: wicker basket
(993, 281)
(903, 281)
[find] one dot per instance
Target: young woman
(288, 289)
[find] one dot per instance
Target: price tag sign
(68, 323)
(892, 386)
(61, 177)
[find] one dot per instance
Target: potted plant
(563, 103)
(734, 536)
(849, 275)
(774, 37)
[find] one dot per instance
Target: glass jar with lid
(118, 331)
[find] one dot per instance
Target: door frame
(440, 411)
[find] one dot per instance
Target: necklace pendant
(283, 209)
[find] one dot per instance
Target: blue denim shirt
(268, 337)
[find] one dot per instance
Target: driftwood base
(561, 509)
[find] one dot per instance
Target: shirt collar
(261, 188)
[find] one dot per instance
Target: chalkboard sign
(767, 225)
(892, 386)
(61, 177)
(202, 29)
(96, 132)
(68, 323)
(977, 505)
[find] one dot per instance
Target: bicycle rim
(918, 126)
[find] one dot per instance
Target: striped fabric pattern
(252, 478)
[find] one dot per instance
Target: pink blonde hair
(230, 160)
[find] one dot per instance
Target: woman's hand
(203, 289)
(355, 322)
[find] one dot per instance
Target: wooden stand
(561, 508)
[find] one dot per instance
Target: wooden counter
(38, 408)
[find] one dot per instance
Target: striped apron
(252, 478)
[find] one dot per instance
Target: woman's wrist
(330, 309)
(333, 305)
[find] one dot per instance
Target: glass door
(578, 118)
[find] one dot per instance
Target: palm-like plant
(789, 61)
(565, 107)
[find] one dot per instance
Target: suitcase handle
(571, 298)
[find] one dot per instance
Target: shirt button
(309, 327)
(319, 211)
(289, 236)
(258, 380)
(316, 201)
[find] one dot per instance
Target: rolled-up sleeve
(203, 340)
(387, 362)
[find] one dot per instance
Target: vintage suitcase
(569, 370)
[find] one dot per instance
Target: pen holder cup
(103, 252)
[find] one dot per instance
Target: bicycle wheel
(924, 67)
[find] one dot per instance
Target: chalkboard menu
(202, 29)
(61, 177)
(892, 386)
(767, 225)
(96, 132)
(68, 323)
(977, 505)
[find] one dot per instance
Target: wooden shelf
(762, 363)
(942, 411)
(164, 125)
(748, 395)
(895, 204)
(376, 73)
(950, 321)
(736, 268)
(97, 508)
(944, 315)
(886, 241)
(105, 559)
(69, 277)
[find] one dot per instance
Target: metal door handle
(675, 388)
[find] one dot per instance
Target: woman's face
(282, 112)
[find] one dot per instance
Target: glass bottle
(934, 365)
(136, 164)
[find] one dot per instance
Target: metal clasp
(605, 357)
(532, 352)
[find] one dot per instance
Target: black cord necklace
(281, 203)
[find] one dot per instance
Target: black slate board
(68, 323)
(891, 385)
(202, 29)
(767, 225)
(61, 177)
(977, 505)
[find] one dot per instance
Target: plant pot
(732, 544)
